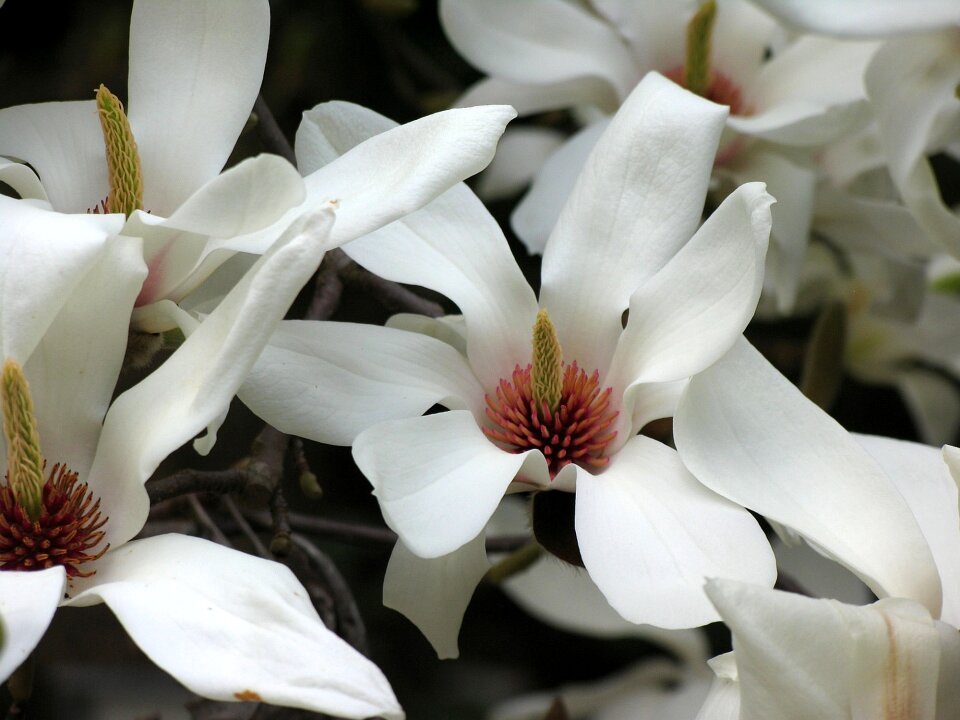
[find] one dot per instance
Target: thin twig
(203, 517)
(327, 290)
(186, 482)
(350, 624)
(245, 528)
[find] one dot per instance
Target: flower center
(576, 431)
(65, 532)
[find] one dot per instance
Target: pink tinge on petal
(150, 291)
(723, 90)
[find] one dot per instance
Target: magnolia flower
(589, 58)
(195, 70)
(565, 416)
(799, 657)
(227, 625)
(796, 658)
(749, 435)
(912, 85)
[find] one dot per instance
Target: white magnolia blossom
(648, 532)
(589, 58)
(434, 593)
(748, 434)
(912, 85)
(195, 70)
(796, 657)
(227, 625)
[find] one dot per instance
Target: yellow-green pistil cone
(546, 373)
(696, 69)
(123, 161)
(24, 460)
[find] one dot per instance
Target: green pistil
(123, 161)
(696, 69)
(24, 460)
(546, 373)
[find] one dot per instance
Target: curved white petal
(654, 31)
(22, 179)
(438, 478)
(911, 83)
(381, 178)
(540, 41)
(532, 98)
(748, 434)
(742, 38)
(521, 153)
(27, 603)
(933, 403)
(434, 593)
(74, 369)
(195, 384)
(230, 626)
(43, 257)
(865, 18)
(248, 197)
(536, 214)
(328, 381)
(638, 200)
(793, 186)
(195, 70)
(795, 105)
(455, 247)
(688, 315)
(63, 142)
(449, 329)
(566, 597)
(800, 658)
(650, 535)
(817, 575)
(922, 477)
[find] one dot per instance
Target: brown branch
(270, 133)
(186, 482)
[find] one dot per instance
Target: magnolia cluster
(124, 224)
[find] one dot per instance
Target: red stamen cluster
(68, 528)
(576, 432)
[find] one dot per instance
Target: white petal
(912, 83)
(650, 534)
(688, 315)
(197, 382)
(865, 18)
(44, 256)
(540, 42)
(452, 246)
(230, 626)
(654, 31)
(819, 576)
(27, 603)
(433, 594)
(638, 200)
(793, 187)
(536, 215)
(800, 658)
(532, 98)
(195, 70)
(748, 434)
(521, 153)
(248, 197)
(438, 478)
(74, 369)
(22, 179)
(63, 142)
(742, 38)
(933, 404)
(328, 381)
(796, 106)
(924, 480)
(390, 175)
(566, 597)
